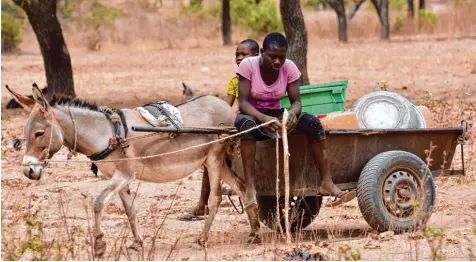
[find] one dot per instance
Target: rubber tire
(369, 191)
(307, 209)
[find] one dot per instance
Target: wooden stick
(278, 209)
(286, 175)
(190, 130)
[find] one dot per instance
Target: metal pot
(387, 110)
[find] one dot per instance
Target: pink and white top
(265, 96)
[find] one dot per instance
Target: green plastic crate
(321, 98)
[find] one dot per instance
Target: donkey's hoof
(254, 239)
(99, 249)
(137, 246)
(198, 245)
(99, 246)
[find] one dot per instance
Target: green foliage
(101, 14)
(426, 17)
(10, 32)
(89, 16)
(261, 18)
(459, 2)
(194, 7)
(323, 3)
(399, 22)
(399, 5)
(316, 3)
(435, 239)
(349, 254)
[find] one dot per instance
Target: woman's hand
(273, 127)
(292, 120)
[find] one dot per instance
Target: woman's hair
(275, 39)
(251, 44)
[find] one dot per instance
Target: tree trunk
(339, 8)
(295, 30)
(226, 24)
(421, 5)
(57, 62)
(354, 8)
(411, 9)
(382, 10)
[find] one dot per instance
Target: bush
(426, 17)
(399, 22)
(89, 16)
(261, 18)
(10, 32)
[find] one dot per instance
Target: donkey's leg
(214, 163)
(117, 182)
(201, 208)
(238, 185)
(128, 202)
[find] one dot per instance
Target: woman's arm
(296, 106)
(244, 90)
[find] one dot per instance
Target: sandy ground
(422, 69)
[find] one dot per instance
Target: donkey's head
(42, 132)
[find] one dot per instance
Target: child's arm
(232, 91)
(230, 99)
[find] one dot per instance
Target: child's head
(274, 51)
(246, 48)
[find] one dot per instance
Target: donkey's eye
(39, 133)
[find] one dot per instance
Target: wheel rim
(401, 190)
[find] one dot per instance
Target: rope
(73, 152)
(49, 143)
(156, 155)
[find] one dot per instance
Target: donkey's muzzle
(33, 172)
(31, 169)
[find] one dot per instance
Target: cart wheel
(396, 191)
(304, 210)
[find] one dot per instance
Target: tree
(339, 8)
(295, 30)
(355, 7)
(411, 9)
(226, 22)
(382, 11)
(57, 62)
(421, 5)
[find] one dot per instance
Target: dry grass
(52, 218)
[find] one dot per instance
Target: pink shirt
(265, 96)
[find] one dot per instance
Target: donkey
(79, 125)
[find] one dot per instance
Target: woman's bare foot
(328, 189)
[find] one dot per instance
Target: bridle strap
(114, 142)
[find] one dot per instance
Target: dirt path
(132, 77)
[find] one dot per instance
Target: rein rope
(158, 155)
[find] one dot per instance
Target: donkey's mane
(62, 100)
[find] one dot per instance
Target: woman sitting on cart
(263, 82)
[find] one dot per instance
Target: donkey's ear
(40, 98)
(26, 102)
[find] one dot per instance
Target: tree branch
(354, 8)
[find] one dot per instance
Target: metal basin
(387, 110)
